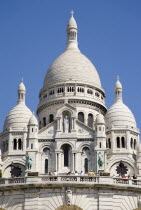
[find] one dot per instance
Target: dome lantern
(118, 90)
(72, 33)
(21, 93)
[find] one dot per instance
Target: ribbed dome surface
(72, 65)
(119, 114)
(18, 117)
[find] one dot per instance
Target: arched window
(100, 145)
(19, 144)
(109, 143)
(6, 145)
(86, 156)
(81, 117)
(66, 150)
(90, 120)
(89, 91)
(86, 165)
(123, 142)
(31, 146)
(99, 128)
(15, 144)
(134, 143)
(118, 142)
(44, 121)
(46, 166)
(97, 94)
(131, 143)
(46, 151)
(51, 118)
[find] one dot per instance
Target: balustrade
(72, 179)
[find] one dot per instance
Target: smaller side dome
(119, 114)
(100, 119)
(33, 120)
(19, 116)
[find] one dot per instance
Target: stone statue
(68, 197)
(100, 160)
(66, 124)
(28, 162)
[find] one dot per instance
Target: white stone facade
(74, 133)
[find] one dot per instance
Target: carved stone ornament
(68, 197)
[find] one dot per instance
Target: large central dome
(72, 65)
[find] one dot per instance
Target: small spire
(72, 12)
(21, 92)
(72, 33)
(118, 90)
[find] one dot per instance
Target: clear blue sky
(32, 35)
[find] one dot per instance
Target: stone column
(85, 90)
(128, 140)
(24, 140)
(56, 157)
(10, 143)
(65, 90)
(73, 162)
(113, 141)
(75, 90)
(58, 123)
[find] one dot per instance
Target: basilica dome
(19, 116)
(119, 114)
(72, 65)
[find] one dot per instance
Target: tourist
(81, 173)
(55, 173)
(76, 173)
(91, 173)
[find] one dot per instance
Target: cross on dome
(117, 78)
(72, 12)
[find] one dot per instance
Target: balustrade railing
(49, 178)
(16, 180)
(121, 180)
(70, 179)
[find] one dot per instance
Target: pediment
(48, 131)
(66, 107)
(84, 130)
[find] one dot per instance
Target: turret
(100, 131)
(32, 132)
